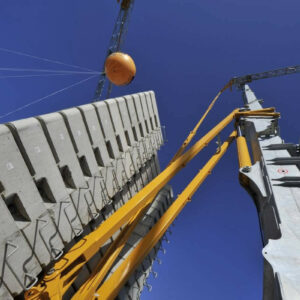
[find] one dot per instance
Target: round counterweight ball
(120, 68)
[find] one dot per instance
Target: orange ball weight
(120, 68)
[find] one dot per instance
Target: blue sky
(185, 51)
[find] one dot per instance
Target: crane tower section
(273, 180)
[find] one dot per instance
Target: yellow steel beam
(243, 153)
(88, 289)
(70, 264)
(266, 109)
(265, 112)
(194, 131)
(111, 287)
(242, 150)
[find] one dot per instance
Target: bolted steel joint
(246, 169)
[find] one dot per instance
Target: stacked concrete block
(137, 281)
(157, 125)
(128, 128)
(49, 179)
(64, 173)
(132, 289)
(68, 164)
(113, 146)
(143, 128)
(118, 200)
(100, 149)
(137, 129)
(79, 135)
(123, 145)
(144, 98)
(154, 118)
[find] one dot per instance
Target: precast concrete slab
(99, 145)
(124, 149)
(40, 205)
(90, 190)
